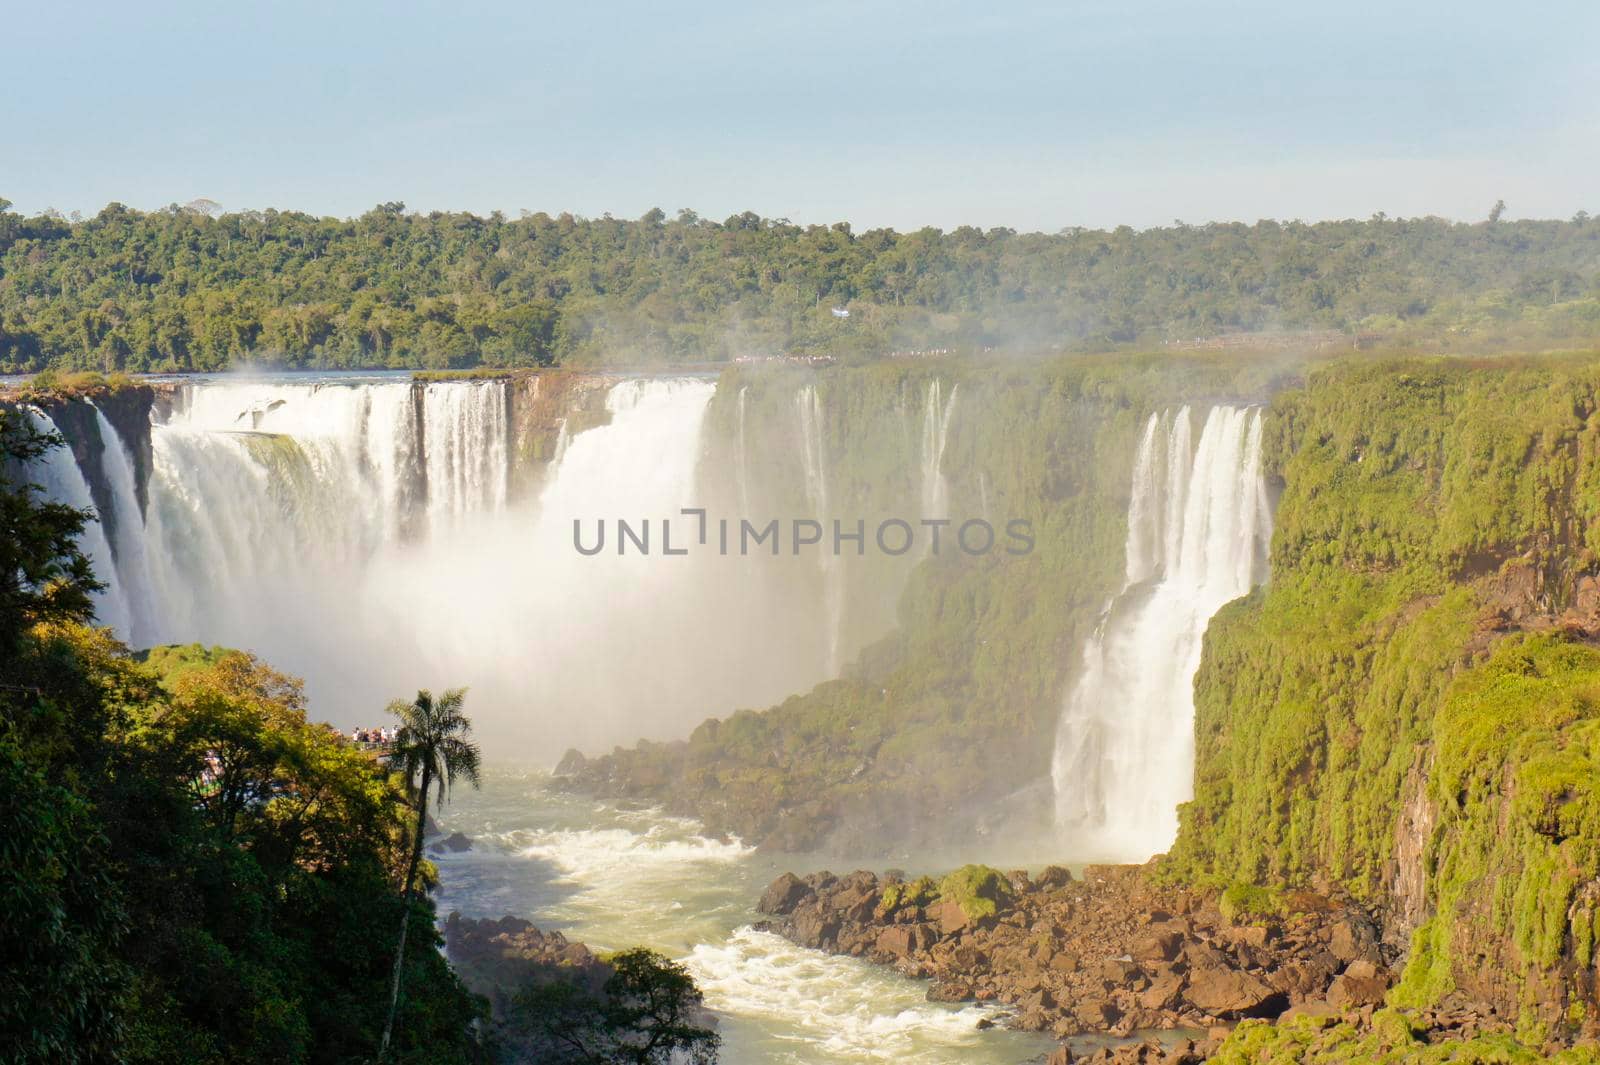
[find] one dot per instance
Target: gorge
(1151, 678)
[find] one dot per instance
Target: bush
(980, 890)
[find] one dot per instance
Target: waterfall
(1198, 527)
(813, 457)
(60, 479)
(466, 441)
(128, 542)
(935, 431)
(357, 532)
(744, 458)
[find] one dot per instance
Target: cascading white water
(1198, 526)
(56, 473)
(466, 440)
(267, 501)
(935, 431)
(744, 458)
(128, 546)
(814, 456)
(358, 533)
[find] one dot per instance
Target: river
(616, 878)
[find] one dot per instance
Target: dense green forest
(186, 288)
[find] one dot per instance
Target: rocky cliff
(1409, 709)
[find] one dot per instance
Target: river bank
(1168, 971)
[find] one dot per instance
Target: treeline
(184, 288)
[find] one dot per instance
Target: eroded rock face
(1109, 953)
(783, 895)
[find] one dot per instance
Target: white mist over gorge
(363, 534)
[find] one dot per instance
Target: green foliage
(180, 289)
(919, 892)
(980, 890)
(649, 1012)
(44, 575)
(1391, 1039)
(1375, 710)
(1248, 903)
(430, 750)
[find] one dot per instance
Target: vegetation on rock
(1407, 709)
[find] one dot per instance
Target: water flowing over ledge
(1198, 529)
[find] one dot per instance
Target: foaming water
(1198, 526)
(615, 878)
(852, 1010)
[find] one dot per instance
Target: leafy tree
(44, 576)
(431, 750)
(647, 1013)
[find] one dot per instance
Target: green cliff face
(1409, 708)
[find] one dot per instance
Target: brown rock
(1252, 935)
(1308, 1009)
(1353, 937)
(1351, 992)
(903, 940)
(1052, 877)
(1118, 971)
(1226, 991)
(1062, 962)
(1096, 1013)
(812, 929)
(949, 990)
(783, 895)
(1163, 991)
(1156, 946)
(951, 917)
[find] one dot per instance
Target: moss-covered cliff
(1411, 708)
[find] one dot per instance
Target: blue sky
(1030, 115)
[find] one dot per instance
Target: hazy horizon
(1037, 117)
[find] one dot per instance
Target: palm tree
(432, 748)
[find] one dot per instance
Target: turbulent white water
(1198, 526)
(57, 474)
(617, 878)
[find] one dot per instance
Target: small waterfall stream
(814, 457)
(935, 431)
(60, 479)
(1198, 528)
